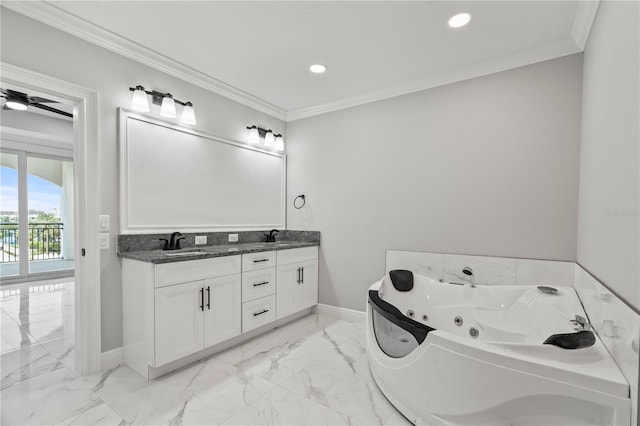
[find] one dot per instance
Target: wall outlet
(201, 239)
(233, 238)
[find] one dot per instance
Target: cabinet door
(178, 316)
(222, 309)
(286, 287)
(307, 290)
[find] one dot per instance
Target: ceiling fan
(20, 101)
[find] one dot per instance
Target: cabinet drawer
(259, 283)
(288, 256)
(258, 313)
(261, 260)
(192, 270)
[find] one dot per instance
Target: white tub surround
(616, 323)
(486, 269)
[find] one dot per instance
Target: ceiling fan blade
(38, 99)
(48, 108)
(14, 93)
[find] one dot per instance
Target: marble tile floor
(312, 371)
(37, 322)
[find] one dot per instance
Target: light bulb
(16, 103)
(279, 143)
(168, 108)
(139, 101)
(254, 135)
(188, 114)
(269, 139)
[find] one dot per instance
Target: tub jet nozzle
(469, 272)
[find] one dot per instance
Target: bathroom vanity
(177, 309)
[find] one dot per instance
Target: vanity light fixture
(139, 101)
(271, 140)
(279, 143)
(459, 20)
(188, 114)
(254, 135)
(168, 108)
(167, 102)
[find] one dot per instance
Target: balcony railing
(44, 241)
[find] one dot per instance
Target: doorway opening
(68, 167)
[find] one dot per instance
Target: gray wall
(608, 231)
(487, 166)
(33, 45)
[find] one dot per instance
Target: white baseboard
(112, 358)
(115, 357)
(342, 313)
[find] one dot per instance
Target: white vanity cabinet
(175, 309)
(297, 280)
(175, 312)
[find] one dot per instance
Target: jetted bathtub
(449, 354)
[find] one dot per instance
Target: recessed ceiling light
(317, 68)
(459, 20)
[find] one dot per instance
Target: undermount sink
(184, 253)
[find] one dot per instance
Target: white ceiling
(260, 51)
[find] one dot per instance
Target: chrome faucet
(580, 323)
(271, 238)
(469, 272)
(172, 243)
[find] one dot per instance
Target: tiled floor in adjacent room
(311, 371)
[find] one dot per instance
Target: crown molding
(51, 15)
(585, 15)
(527, 57)
(72, 24)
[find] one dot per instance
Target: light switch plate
(104, 240)
(233, 238)
(105, 222)
(201, 239)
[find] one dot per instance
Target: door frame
(86, 205)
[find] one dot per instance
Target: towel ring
(301, 196)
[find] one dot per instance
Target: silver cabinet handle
(260, 313)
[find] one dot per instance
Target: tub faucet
(469, 272)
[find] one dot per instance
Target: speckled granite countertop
(206, 252)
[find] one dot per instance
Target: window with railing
(45, 240)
